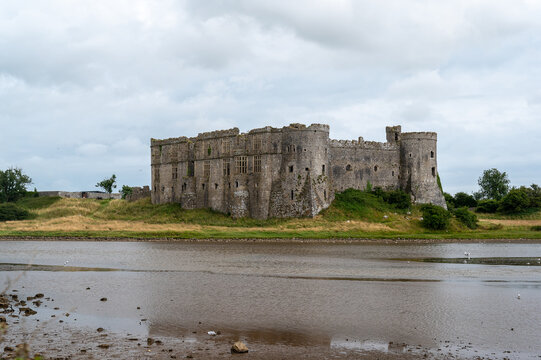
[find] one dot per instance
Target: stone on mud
(239, 348)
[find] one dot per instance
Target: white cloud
(84, 85)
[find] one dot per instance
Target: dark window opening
(291, 168)
(325, 194)
(348, 167)
(292, 194)
(216, 186)
(322, 169)
(304, 149)
(307, 169)
(410, 154)
(433, 171)
(184, 187)
(392, 173)
(236, 184)
(229, 185)
(432, 154)
(376, 168)
(396, 136)
(203, 186)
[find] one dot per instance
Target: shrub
(536, 228)
(10, 211)
(466, 217)
(435, 217)
(487, 206)
(464, 200)
(400, 199)
(515, 201)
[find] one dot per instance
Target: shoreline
(358, 241)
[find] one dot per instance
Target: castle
(288, 172)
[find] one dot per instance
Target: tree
(494, 185)
(13, 184)
(107, 184)
(462, 199)
(435, 217)
(515, 201)
(126, 190)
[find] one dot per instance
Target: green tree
(13, 184)
(107, 184)
(494, 185)
(126, 190)
(462, 199)
(515, 201)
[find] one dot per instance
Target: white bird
(66, 262)
(467, 254)
(212, 333)
(518, 296)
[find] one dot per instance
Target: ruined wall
(292, 171)
(355, 163)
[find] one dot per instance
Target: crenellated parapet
(361, 144)
(217, 134)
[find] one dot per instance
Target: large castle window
(257, 143)
(257, 163)
(241, 164)
(226, 167)
(191, 166)
(206, 168)
(226, 146)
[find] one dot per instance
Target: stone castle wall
(287, 172)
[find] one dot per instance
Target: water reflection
(294, 294)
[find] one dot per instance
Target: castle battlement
(290, 171)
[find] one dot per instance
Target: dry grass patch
(511, 222)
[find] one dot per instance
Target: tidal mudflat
(283, 300)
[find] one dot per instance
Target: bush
(400, 199)
(10, 211)
(487, 206)
(515, 201)
(466, 217)
(464, 200)
(536, 228)
(435, 217)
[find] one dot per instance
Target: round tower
(305, 185)
(418, 167)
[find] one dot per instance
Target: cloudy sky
(85, 84)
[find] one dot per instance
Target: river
(344, 296)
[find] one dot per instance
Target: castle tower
(418, 167)
(303, 188)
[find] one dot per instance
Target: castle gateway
(288, 172)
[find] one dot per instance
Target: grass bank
(353, 215)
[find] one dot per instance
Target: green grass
(351, 205)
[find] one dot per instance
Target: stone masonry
(288, 172)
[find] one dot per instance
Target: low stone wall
(80, 194)
(138, 193)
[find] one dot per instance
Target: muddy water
(340, 296)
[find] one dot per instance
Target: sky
(85, 84)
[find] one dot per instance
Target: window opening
(206, 168)
(292, 194)
(376, 168)
(325, 194)
(236, 184)
(241, 164)
(290, 168)
(257, 163)
(322, 169)
(432, 154)
(216, 186)
(433, 171)
(348, 167)
(226, 167)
